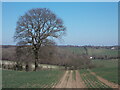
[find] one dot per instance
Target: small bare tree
(35, 27)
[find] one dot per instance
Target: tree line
(52, 55)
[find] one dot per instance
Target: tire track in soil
(62, 82)
(74, 84)
(67, 81)
(79, 81)
(110, 84)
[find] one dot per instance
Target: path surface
(110, 84)
(70, 80)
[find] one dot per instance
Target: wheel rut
(71, 81)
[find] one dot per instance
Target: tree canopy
(36, 27)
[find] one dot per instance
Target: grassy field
(92, 51)
(75, 50)
(102, 51)
(39, 79)
(91, 81)
(107, 69)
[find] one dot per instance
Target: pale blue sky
(87, 23)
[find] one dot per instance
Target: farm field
(71, 79)
(102, 51)
(77, 50)
(81, 79)
(93, 51)
(91, 81)
(107, 69)
(63, 45)
(52, 79)
(39, 79)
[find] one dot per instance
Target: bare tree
(36, 27)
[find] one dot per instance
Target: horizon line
(60, 45)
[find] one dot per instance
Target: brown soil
(67, 81)
(62, 82)
(110, 84)
(79, 82)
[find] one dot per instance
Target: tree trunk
(36, 59)
(36, 64)
(27, 67)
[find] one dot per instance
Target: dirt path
(110, 84)
(62, 82)
(73, 79)
(68, 80)
(79, 82)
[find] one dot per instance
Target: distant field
(92, 51)
(107, 69)
(39, 79)
(102, 51)
(76, 50)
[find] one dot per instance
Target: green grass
(107, 69)
(102, 51)
(92, 51)
(76, 50)
(91, 81)
(22, 79)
